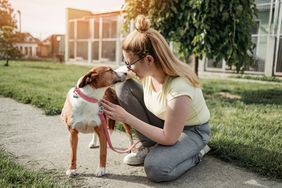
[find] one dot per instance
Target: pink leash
(104, 122)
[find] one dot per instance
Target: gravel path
(40, 141)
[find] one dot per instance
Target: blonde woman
(167, 109)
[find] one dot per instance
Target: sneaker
(136, 157)
(204, 151)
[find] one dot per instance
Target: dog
(81, 112)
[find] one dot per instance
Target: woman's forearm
(154, 133)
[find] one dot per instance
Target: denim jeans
(163, 163)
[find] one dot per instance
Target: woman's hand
(113, 111)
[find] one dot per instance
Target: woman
(167, 110)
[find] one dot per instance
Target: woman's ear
(149, 59)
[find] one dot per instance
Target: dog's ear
(87, 79)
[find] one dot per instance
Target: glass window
(109, 27)
(263, 17)
(83, 29)
(95, 50)
(279, 58)
(259, 54)
(255, 28)
(96, 28)
(82, 50)
(71, 30)
(71, 50)
(109, 51)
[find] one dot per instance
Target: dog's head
(102, 76)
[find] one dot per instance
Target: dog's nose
(125, 74)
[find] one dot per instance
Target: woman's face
(136, 64)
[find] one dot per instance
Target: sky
(42, 18)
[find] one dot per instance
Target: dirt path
(40, 141)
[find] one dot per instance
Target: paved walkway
(40, 141)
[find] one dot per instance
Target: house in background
(97, 37)
(53, 47)
(28, 45)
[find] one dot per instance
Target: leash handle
(104, 124)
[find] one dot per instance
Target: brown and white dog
(81, 115)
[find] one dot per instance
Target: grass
(261, 78)
(246, 117)
(14, 175)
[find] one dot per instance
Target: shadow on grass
(270, 96)
(260, 160)
(42, 67)
(267, 96)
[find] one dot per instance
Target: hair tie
(139, 30)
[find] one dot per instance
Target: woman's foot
(136, 157)
(204, 151)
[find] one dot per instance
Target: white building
(28, 45)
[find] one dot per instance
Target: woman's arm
(177, 111)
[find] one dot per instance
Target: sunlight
(43, 18)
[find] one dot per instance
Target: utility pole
(20, 21)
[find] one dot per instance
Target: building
(53, 47)
(93, 37)
(267, 35)
(96, 38)
(28, 45)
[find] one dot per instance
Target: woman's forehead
(128, 55)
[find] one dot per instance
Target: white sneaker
(136, 157)
(204, 151)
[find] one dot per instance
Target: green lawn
(246, 117)
(14, 175)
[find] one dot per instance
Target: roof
(28, 38)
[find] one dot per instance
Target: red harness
(103, 121)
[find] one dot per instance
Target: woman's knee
(157, 172)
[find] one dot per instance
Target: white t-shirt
(174, 87)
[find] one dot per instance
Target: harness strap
(85, 97)
(103, 121)
(104, 124)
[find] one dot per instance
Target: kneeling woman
(167, 109)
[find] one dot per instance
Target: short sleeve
(179, 87)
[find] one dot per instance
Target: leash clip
(101, 108)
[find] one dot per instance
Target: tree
(8, 35)
(216, 29)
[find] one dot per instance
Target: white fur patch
(85, 114)
(100, 171)
(71, 172)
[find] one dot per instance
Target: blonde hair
(145, 40)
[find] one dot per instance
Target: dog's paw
(92, 145)
(100, 171)
(71, 173)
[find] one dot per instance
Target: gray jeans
(163, 163)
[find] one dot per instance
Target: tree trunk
(196, 65)
(7, 63)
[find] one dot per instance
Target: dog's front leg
(101, 170)
(73, 137)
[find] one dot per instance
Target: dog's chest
(85, 115)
